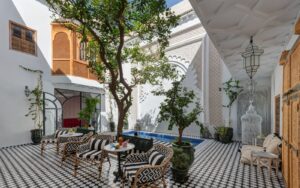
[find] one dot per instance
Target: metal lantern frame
(251, 58)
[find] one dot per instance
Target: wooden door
(287, 76)
(295, 66)
(277, 114)
(294, 141)
(285, 145)
(285, 162)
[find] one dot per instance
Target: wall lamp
(27, 91)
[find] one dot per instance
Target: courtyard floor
(216, 166)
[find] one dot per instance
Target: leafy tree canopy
(122, 31)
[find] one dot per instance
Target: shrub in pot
(224, 134)
(180, 108)
(35, 111)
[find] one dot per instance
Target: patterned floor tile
(216, 165)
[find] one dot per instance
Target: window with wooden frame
(22, 38)
(277, 114)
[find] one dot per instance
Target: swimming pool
(162, 137)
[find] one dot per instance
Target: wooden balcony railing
(75, 68)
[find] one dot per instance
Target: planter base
(36, 136)
(180, 176)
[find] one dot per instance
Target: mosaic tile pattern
(216, 165)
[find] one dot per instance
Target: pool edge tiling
(164, 137)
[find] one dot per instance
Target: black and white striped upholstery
(53, 138)
(149, 167)
(93, 152)
(90, 154)
(98, 144)
(156, 158)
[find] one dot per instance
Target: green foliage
(204, 131)
(87, 113)
(224, 134)
(232, 90)
(116, 30)
(36, 104)
(175, 108)
(180, 159)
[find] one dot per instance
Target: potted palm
(87, 113)
(35, 111)
(180, 108)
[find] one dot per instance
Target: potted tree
(35, 110)
(180, 109)
(86, 114)
(232, 89)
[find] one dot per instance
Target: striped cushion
(131, 168)
(90, 154)
(98, 144)
(60, 132)
(49, 141)
(156, 158)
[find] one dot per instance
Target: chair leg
(76, 165)
(108, 160)
(42, 149)
(100, 169)
(63, 158)
(57, 148)
(123, 182)
(164, 181)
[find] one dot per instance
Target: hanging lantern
(252, 58)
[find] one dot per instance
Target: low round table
(264, 159)
(111, 149)
(67, 135)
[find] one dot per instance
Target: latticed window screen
(22, 38)
(82, 51)
(277, 114)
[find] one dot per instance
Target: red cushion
(71, 122)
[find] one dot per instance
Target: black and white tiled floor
(216, 166)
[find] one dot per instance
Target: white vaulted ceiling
(230, 23)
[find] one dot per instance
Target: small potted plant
(35, 112)
(180, 108)
(224, 134)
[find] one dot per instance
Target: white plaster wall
(149, 104)
(14, 125)
(276, 89)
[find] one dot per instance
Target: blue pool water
(162, 137)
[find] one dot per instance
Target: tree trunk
(229, 118)
(180, 131)
(121, 119)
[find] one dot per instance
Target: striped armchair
(54, 139)
(70, 148)
(93, 152)
(146, 168)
